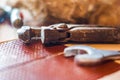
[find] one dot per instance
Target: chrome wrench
(85, 55)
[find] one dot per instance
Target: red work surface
(36, 62)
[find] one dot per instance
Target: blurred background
(103, 12)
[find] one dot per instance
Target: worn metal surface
(58, 33)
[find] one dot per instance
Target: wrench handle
(94, 34)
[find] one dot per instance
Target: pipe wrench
(62, 33)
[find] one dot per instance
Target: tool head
(24, 34)
(16, 18)
(84, 55)
(50, 35)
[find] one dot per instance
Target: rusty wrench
(58, 33)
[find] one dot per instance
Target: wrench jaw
(74, 50)
(92, 57)
(83, 55)
(70, 53)
(24, 34)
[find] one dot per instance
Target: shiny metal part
(85, 55)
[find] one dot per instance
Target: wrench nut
(24, 33)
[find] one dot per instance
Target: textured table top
(37, 62)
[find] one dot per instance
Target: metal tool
(85, 55)
(16, 18)
(28, 34)
(4, 13)
(11, 14)
(59, 33)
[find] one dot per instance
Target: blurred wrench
(12, 14)
(85, 55)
